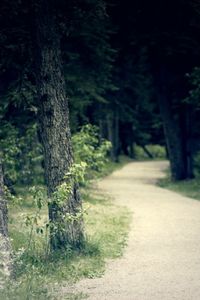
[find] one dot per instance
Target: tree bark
(173, 139)
(3, 207)
(54, 129)
(5, 249)
(176, 126)
(186, 135)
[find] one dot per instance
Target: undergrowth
(189, 187)
(38, 275)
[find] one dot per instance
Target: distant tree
(173, 50)
(174, 128)
(87, 58)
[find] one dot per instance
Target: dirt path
(162, 259)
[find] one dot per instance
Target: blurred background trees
(130, 68)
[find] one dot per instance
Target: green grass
(39, 276)
(189, 188)
(158, 152)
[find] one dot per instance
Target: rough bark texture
(54, 127)
(5, 261)
(3, 207)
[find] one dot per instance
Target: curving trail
(162, 258)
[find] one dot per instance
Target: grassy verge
(189, 188)
(39, 276)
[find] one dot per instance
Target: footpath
(162, 257)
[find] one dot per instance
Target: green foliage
(88, 57)
(33, 287)
(35, 268)
(11, 150)
(22, 154)
(157, 151)
(39, 276)
(88, 149)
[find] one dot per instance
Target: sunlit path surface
(162, 258)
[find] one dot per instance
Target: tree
(172, 130)
(173, 51)
(53, 117)
(5, 262)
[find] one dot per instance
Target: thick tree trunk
(5, 259)
(186, 135)
(177, 127)
(173, 140)
(54, 129)
(3, 207)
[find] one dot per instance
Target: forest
(87, 86)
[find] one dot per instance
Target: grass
(39, 276)
(157, 151)
(189, 188)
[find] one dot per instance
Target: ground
(162, 257)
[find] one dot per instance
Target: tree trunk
(5, 249)
(3, 207)
(175, 125)
(173, 140)
(186, 130)
(54, 130)
(110, 129)
(148, 153)
(116, 135)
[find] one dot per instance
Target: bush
(88, 148)
(22, 154)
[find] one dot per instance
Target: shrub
(22, 154)
(88, 148)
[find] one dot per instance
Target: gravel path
(162, 258)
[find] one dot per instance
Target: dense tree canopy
(130, 68)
